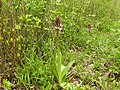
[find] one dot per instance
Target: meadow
(60, 44)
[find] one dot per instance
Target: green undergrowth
(96, 64)
(83, 55)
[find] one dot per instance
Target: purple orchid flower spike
(89, 27)
(57, 22)
(58, 25)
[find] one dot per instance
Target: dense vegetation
(60, 44)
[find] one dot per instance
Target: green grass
(75, 58)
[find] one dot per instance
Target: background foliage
(33, 55)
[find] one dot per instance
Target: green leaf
(58, 66)
(6, 85)
(67, 68)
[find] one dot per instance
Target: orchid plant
(60, 71)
